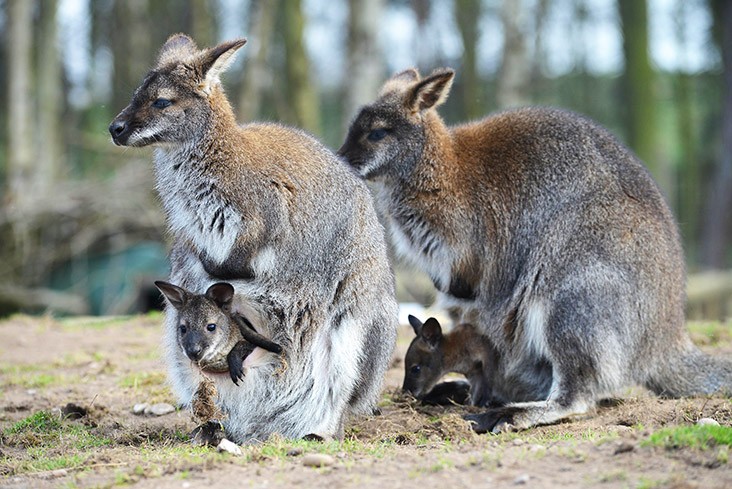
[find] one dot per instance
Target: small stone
(31, 392)
(294, 452)
(536, 447)
(518, 442)
(229, 447)
(59, 473)
(624, 447)
(317, 460)
(707, 422)
(522, 479)
(140, 408)
(160, 409)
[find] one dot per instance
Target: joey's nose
(117, 127)
(194, 352)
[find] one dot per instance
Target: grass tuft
(697, 437)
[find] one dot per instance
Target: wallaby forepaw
(499, 420)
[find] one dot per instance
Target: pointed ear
(432, 332)
(175, 295)
(430, 92)
(222, 294)
(400, 82)
(216, 60)
(416, 324)
(176, 48)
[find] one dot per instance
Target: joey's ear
(216, 60)
(176, 48)
(177, 296)
(430, 92)
(432, 332)
(416, 324)
(222, 294)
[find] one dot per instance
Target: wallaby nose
(194, 352)
(117, 127)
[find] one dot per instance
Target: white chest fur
(195, 208)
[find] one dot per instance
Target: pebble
(518, 442)
(59, 473)
(294, 452)
(317, 460)
(522, 479)
(707, 422)
(624, 447)
(140, 407)
(160, 409)
(229, 447)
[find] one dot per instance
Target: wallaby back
(272, 211)
(538, 226)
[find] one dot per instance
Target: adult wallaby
(272, 211)
(538, 226)
(209, 333)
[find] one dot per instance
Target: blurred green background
(81, 231)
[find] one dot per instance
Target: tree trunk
(716, 235)
(467, 14)
(50, 98)
(201, 22)
(638, 84)
(257, 72)
(302, 96)
(515, 74)
(21, 154)
(365, 67)
(131, 48)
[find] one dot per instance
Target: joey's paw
(448, 394)
(313, 437)
(209, 434)
(237, 374)
(499, 420)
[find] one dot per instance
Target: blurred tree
(131, 46)
(302, 95)
(21, 154)
(365, 60)
(49, 165)
(257, 71)
(515, 73)
(638, 87)
(716, 240)
(467, 14)
(201, 25)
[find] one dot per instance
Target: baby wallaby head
(424, 362)
(174, 103)
(387, 136)
(204, 325)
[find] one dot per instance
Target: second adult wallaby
(538, 227)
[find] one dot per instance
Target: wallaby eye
(162, 103)
(211, 327)
(182, 328)
(415, 370)
(377, 135)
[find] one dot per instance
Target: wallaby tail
(691, 372)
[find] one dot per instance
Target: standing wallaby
(275, 213)
(209, 333)
(538, 226)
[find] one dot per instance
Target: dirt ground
(106, 366)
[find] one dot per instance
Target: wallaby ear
(177, 47)
(430, 92)
(416, 324)
(400, 81)
(222, 294)
(175, 295)
(216, 60)
(432, 332)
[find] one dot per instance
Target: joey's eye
(211, 327)
(162, 103)
(415, 370)
(182, 328)
(377, 135)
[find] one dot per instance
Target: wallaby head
(204, 327)
(387, 137)
(424, 362)
(177, 99)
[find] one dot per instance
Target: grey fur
(540, 228)
(272, 211)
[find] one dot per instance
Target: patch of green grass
(31, 376)
(95, 322)
(39, 422)
(710, 333)
(277, 448)
(42, 430)
(697, 437)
